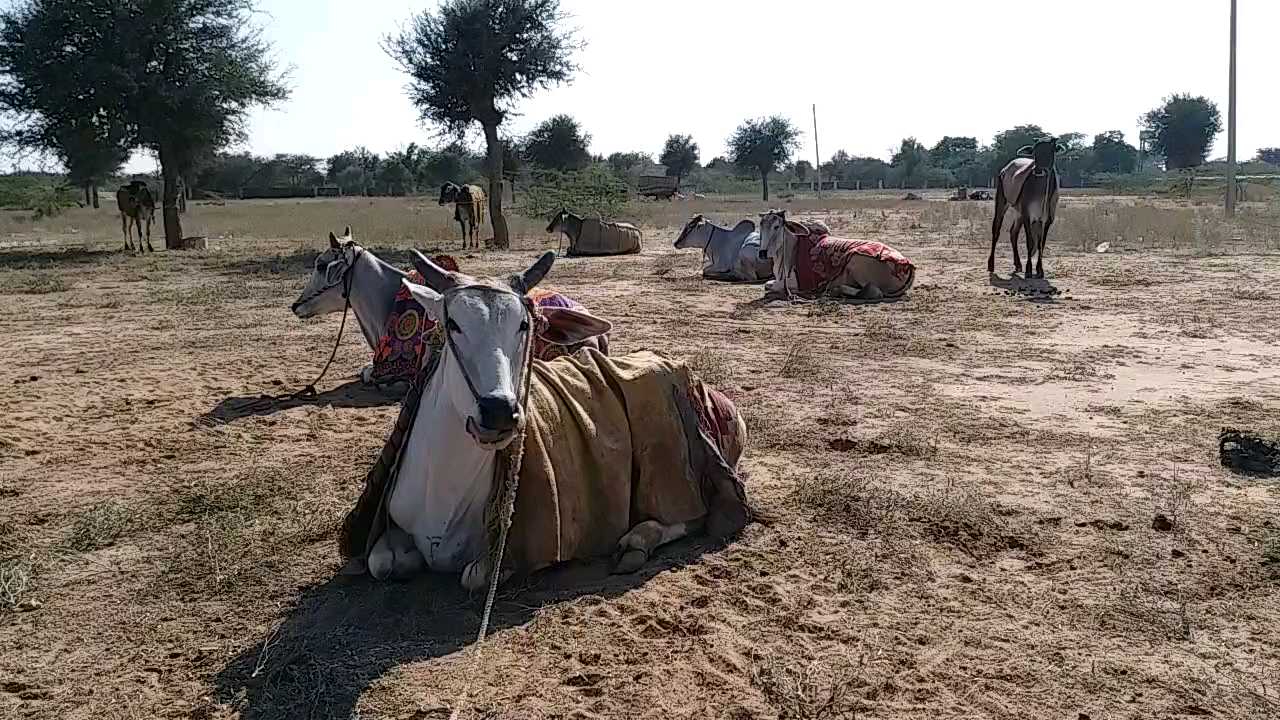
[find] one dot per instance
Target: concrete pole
(1231, 122)
(817, 156)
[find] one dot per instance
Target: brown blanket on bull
(610, 442)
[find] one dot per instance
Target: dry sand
(964, 486)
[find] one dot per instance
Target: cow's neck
(374, 284)
(444, 479)
(572, 227)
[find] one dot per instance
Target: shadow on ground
(347, 632)
(354, 394)
(46, 259)
(1032, 289)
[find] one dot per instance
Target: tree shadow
(46, 259)
(302, 261)
(354, 394)
(1038, 290)
(345, 633)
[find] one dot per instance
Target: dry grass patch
(961, 517)
(33, 282)
(16, 580)
(99, 526)
(908, 438)
(712, 366)
(804, 362)
(830, 687)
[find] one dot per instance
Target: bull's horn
(527, 280)
(433, 276)
(333, 240)
(1024, 151)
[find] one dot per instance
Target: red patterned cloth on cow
(406, 338)
(821, 259)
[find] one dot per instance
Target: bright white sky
(879, 70)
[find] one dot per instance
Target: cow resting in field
(732, 255)
(586, 455)
(1029, 186)
(468, 209)
(593, 236)
(398, 330)
(808, 261)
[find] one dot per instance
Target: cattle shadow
(1038, 290)
(353, 394)
(301, 262)
(346, 633)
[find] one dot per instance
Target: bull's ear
(435, 277)
(347, 233)
(567, 326)
(1024, 151)
(333, 241)
(527, 280)
(429, 299)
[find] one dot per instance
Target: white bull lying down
(808, 260)
(732, 255)
(613, 455)
(395, 325)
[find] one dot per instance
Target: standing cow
(1029, 185)
(468, 209)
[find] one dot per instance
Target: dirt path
(965, 485)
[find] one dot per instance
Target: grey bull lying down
(732, 255)
(586, 455)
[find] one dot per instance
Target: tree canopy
(763, 145)
(679, 155)
(470, 61)
(558, 143)
(1111, 154)
(1184, 128)
(1269, 155)
(625, 163)
(177, 77)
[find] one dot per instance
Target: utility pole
(1231, 122)
(817, 156)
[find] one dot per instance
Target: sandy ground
(963, 487)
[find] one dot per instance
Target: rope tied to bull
(346, 278)
(506, 476)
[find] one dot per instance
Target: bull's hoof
(631, 561)
(475, 576)
(355, 566)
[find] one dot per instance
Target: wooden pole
(1231, 122)
(817, 156)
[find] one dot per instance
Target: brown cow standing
(468, 209)
(137, 205)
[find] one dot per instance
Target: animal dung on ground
(1161, 523)
(1246, 452)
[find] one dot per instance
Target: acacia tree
(178, 75)
(558, 143)
(53, 111)
(680, 155)
(468, 61)
(763, 145)
(1184, 128)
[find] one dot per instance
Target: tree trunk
(169, 201)
(182, 196)
(88, 199)
(494, 170)
(764, 183)
(95, 196)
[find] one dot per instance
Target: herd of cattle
(499, 363)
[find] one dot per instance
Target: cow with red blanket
(808, 261)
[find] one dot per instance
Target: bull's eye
(524, 326)
(452, 326)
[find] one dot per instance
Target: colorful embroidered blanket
(821, 259)
(410, 334)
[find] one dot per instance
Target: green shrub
(593, 191)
